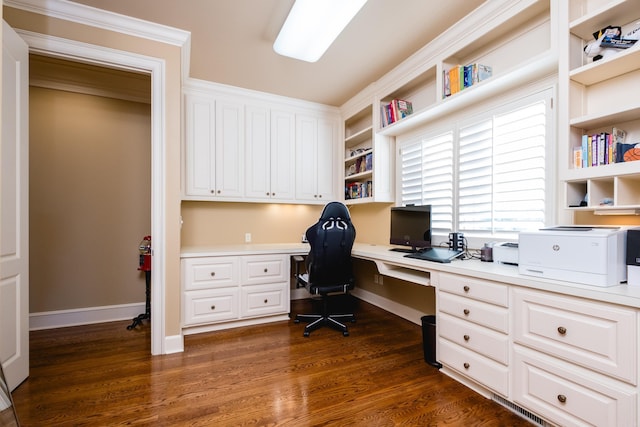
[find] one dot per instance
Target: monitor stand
(406, 250)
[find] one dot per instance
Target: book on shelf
(358, 190)
(460, 77)
(599, 149)
(395, 110)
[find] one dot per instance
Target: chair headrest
(335, 210)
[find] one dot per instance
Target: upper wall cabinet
(601, 120)
(242, 145)
(214, 150)
(316, 142)
(270, 150)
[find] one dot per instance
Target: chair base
(318, 320)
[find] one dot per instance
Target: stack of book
(461, 77)
(600, 149)
(395, 110)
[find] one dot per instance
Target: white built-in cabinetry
(242, 145)
(600, 95)
(214, 131)
(575, 361)
(220, 292)
(515, 38)
(567, 360)
(316, 143)
(473, 325)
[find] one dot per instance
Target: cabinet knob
(266, 301)
(267, 193)
(213, 191)
(466, 337)
(466, 365)
(562, 330)
(273, 194)
(266, 270)
(320, 196)
(219, 191)
(466, 311)
(213, 307)
(562, 398)
(213, 273)
(466, 288)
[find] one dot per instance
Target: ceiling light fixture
(312, 25)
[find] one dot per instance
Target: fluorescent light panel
(313, 25)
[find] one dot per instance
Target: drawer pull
(562, 330)
(562, 398)
(466, 337)
(466, 288)
(466, 365)
(213, 273)
(266, 301)
(213, 307)
(266, 270)
(466, 311)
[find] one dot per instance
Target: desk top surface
(392, 261)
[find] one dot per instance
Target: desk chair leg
(319, 320)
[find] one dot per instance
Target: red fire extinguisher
(145, 254)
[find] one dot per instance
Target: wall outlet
(247, 237)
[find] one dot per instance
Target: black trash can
(429, 339)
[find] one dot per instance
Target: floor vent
(520, 411)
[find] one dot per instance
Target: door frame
(98, 55)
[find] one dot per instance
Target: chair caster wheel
(345, 333)
(306, 334)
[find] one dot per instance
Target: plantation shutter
(502, 172)
(427, 178)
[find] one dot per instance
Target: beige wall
(90, 199)
(171, 55)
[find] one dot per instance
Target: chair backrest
(331, 240)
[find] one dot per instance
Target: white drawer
(570, 396)
(264, 269)
(210, 305)
(476, 338)
(490, 374)
(481, 290)
(483, 314)
(598, 336)
(209, 272)
(260, 300)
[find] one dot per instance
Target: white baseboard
(174, 344)
(394, 307)
(84, 316)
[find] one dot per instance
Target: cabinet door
(229, 164)
(306, 158)
(326, 169)
(282, 154)
(200, 146)
(258, 152)
(316, 140)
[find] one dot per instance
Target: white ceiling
(231, 42)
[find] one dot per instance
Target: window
(485, 176)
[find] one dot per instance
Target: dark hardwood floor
(268, 375)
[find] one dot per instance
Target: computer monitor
(411, 227)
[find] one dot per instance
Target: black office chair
(329, 266)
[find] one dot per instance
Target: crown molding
(98, 18)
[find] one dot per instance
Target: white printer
(582, 254)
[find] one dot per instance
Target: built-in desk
(564, 352)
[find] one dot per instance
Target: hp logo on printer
(556, 248)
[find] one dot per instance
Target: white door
(14, 209)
